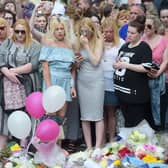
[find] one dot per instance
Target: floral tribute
(134, 152)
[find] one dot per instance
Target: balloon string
(33, 133)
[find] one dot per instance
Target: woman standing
(57, 60)
(158, 44)
(90, 81)
(131, 80)
(112, 44)
(19, 68)
(19, 64)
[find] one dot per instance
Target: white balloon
(19, 124)
(53, 98)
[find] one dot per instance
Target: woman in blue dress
(57, 60)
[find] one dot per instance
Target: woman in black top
(131, 80)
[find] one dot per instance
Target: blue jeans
(157, 88)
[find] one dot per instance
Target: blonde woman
(57, 60)
(90, 82)
(19, 67)
(158, 44)
(19, 58)
(112, 44)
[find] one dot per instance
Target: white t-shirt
(108, 58)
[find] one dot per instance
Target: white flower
(8, 165)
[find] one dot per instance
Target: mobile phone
(155, 66)
(147, 65)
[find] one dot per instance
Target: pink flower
(150, 148)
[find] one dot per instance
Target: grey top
(10, 57)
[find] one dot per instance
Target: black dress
(132, 87)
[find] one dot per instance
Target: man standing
(84, 5)
(136, 9)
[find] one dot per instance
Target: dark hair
(13, 15)
(1, 7)
(107, 10)
(123, 7)
(138, 23)
(163, 6)
(141, 5)
(94, 12)
(10, 1)
(96, 2)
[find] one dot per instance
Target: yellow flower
(117, 163)
(151, 159)
(103, 163)
(57, 166)
(15, 147)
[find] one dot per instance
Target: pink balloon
(34, 105)
(47, 130)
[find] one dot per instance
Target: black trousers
(135, 113)
(163, 107)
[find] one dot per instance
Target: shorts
(110, 98)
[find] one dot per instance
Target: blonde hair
(151, 9)
(109, 22)
(156, 21)
(5, 23)
(121, 14)
(24, 23)
(95, 34)
(53, 23)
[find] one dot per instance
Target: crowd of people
(111, 58)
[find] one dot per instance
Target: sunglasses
(20, 31)
(2, 28)
(85, 32)
(149, 26)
